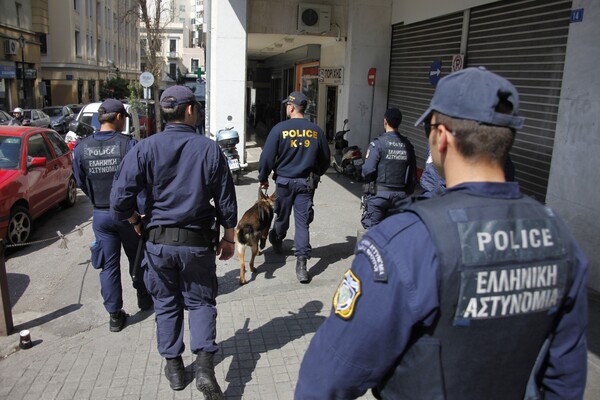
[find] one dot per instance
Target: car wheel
(71, 198)
(19, 226)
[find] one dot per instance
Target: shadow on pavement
(61, 312)
(246, 346)
(17, 283)
(330, 254)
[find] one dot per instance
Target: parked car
(35, 117)
(60, 116)
(89, 115)
(147, 116)
(5, 117)
(35, 176)
(75, 108)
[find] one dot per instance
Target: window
(76, 5)
(58, 144)
(182, 20)
(172, 45)
(37, 147)
(173, 71)
(194, 65)
(77, 44)
(19, 8)
(44, 43)
(99, 47)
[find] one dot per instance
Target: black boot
(277, 244)
(144, 300)
(117, 321)
(175, 373)
(205, 376)
(301, 272)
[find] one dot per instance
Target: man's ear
(443, 138)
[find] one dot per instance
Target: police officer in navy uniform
(95, 161)
(190, 193)
(298, 153)
(479, 293)
(390, 170)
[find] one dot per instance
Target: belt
(174, 236)
(384, 188)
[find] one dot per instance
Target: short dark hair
(176, 113)
(481, 141)
(299, 108)
(104, 117)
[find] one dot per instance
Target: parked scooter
(347, 160)
(227, 139)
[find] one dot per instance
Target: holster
(312, 182)
(370, 188)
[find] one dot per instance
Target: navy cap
(473, 94)
(297, 98)
(112, 106)
(182, 95)
(393, 116)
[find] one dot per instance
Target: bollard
(6, 321)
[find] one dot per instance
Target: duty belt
(383, 188)
(174, 236)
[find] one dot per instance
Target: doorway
(331, 112)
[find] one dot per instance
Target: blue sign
(8, 72)
(435, 72)
(69, 77)
(577, 15)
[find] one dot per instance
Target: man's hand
(264, 185)
(225, 249)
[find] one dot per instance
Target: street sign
(146, 79)
(577, 15)
(458, 62)
(371, 76)
(435, 72)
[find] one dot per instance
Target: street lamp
(22, 44)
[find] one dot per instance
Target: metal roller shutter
(414, 48)
(526, 41)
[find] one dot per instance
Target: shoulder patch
(370, 250)
(346, 295)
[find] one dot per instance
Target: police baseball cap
(473, 94)
(297, 98)
(112, 106)
(180, 95)
(393, 116)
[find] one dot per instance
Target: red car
(35, 175)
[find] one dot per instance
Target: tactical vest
(506, 266)
(100, 160)
(394, 161)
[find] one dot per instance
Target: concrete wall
(411, 11)
(572, 189)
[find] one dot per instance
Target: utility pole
(22, 44)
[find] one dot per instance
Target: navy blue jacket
(294, 148)
(181, 172)
(346, 357)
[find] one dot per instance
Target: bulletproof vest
(394, 161)
(505, 266)
(100, 160)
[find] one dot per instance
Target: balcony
(173, 54)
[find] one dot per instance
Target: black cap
(393, 116)
(297, 98)
(112, 106)
(182, 95)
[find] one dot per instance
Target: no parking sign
(458, 62)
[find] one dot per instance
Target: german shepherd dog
(253, 230)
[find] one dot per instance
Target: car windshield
(91, 119)
(27, 114)
(10, 151)
(53, 112)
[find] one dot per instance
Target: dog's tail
(245, 234)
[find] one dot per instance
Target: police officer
(390, 170)
(18, 117)
(189, 193)
(486, 298)
(95, 162)
(298, 153)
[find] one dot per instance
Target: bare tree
(153, 16)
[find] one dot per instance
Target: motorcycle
(347, 159)
(227, 139)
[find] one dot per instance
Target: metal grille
(414, 48)
(525, 41)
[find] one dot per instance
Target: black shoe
(117, 321)
(301, 272)
(277, 247)
(175, 373)
(144, 300)
(206, 382)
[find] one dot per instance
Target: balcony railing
(173, 54)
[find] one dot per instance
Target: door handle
(56, 167)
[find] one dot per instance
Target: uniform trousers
(178, 278)
(292, 193)
(380, 206)
(110, 235)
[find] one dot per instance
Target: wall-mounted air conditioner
(314, 18)
(10, 47)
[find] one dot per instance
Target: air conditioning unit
(10, 47)
(314, 18)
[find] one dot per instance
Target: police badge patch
(346, 295)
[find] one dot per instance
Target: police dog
(253, 230)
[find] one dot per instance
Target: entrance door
(331, 112)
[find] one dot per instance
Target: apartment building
(88, 41)
(23, 27)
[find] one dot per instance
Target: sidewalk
(264, 327)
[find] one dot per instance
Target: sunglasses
(428, 126)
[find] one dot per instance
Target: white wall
(332, 56)
(226, 75)
(573, 187)
(411, 11)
